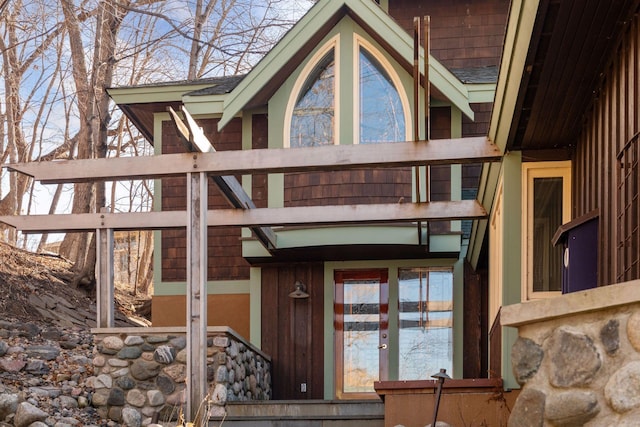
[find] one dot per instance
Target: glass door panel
(361, 324)
(425, 320)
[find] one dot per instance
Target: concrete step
(308, 413)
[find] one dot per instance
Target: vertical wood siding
(606, 152)
(292, 330)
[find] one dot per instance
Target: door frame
(339, 275)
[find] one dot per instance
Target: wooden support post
(427, 108)
(104, 278)
(416, 110)
(196, 294)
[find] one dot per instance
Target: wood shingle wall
(463, 33)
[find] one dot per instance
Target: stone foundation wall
(580, 363)
(139, 374)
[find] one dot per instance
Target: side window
(381, 111)
(546, 205)
(426, 322)
(312, 120)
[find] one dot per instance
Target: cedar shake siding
(464, 34)
(224, 244)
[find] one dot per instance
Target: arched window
(313, 116)
(381, 117)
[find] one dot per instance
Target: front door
(361, 323)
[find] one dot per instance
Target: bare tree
(58, 57)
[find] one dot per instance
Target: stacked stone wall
(583, 369)
(142, 376)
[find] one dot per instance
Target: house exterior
(564, 200)
(378, 302)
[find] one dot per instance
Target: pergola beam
(263, 217)
(247, 162)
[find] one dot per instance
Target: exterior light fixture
(299, 292)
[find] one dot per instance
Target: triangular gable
(313, 26)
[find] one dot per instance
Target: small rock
(27, 414)
(133, 340)
(3, 348)
(622, 391)
(8, 404)
(179, 342)
(131, 417)
(157, 339)
(165, 384)
(136, 398)
(574, 359)
(37, 367)
(112, 343)
(526, 357)
(99, 361)
(155, 398)
(130, 353)
(633, 330)
(118, 363)
(164, 354)
(103, 381)
(116, 397)
(219, 341)
(571, 408)
(100, 398)
(12, 365)
(44, 352)
(610, 336)
(68, 402)
(219, 395)
(528, 410)
(143, 370)
(125, 383)
(83, 402)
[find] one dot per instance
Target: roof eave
(370, 16)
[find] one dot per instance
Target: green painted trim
(312, 23)
(214, 287)
(154, 93)
(347, 109)
(200, 105)
(405, 235)
(450, 86)
(512, 253)
(456, 169)
(252, 248)
(520, 25)
(255, 306)
(394, 333)
(392, 266)
(349, 235)
(247, 142)
(509, 337)
(481, 92)
(512, 196)
(458, 319)
(275, 183)
(486, 194)
(445, 243)
(157, 198)
(329, 350)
